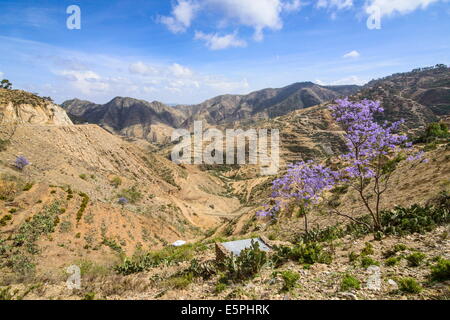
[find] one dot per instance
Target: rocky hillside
(73, 184)
(152, 121)
(420, 96)
(265, 104)
(21, 107)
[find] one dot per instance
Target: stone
(392, 284)
(348, 295)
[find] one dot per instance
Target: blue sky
(186, 51)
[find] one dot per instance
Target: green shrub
(112, 244)
(415, 259)
(352, 257)
(409, 285)
(322, 235)
(168, 256)
(116, 182)
(247, 265)
(415, 219)
(290, 280)
(83, 176)
(89, 296)
(368, 261)
(180, 282)
(5, 219)
(367, 250)
(441, 270)
(349, 282)
(83, 205)
(220, 287)
(40, 224)
(133, 195)
(28, 186)
(6, 294)
(4, 144)
(305, 253)
(65, 226)
(204, 270)
(392, 261)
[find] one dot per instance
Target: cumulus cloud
(86, 81)
(344, 81)
(142, 68)
(294, 5)
(258, 15)
(180, 71)
(335, 4)
(182, 15)
(352, 55)
(216, 42)
(389, 7)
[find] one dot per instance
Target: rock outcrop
(20, 107)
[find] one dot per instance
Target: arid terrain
(100, 192)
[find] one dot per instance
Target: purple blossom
(367, 140)
(122, 201)
(21, 162)
(417, 156)
(303, 185)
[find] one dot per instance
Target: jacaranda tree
(301, 187)
(374, 150)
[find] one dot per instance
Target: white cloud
(216, 42)
(142, 68)
(344, 81)
(258, 15)
(389, 7)
(335, 4)
(85, 81)
(182, 15)
(294, 5)
(179, 71)
(1, 75)
(352, 55)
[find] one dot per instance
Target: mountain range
(154, 120)
(419, 97)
